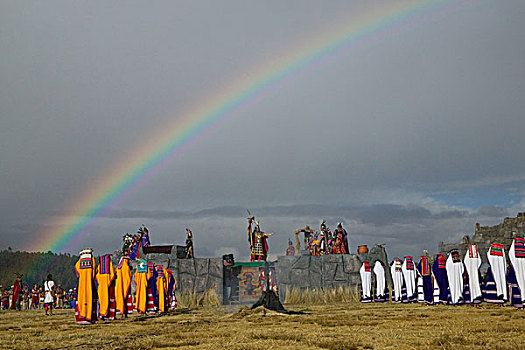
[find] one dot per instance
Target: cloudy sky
(409, 139)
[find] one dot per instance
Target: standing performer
(141, 281)
(381, 294)
(455, 271)
(162, 288)
(366, 282)
(425, 281)
(34, 297)
(172, 284)
(516, 272)
(152, 302)
(439, 270)
(189, 244)
(472, 263)
(397, 280)
(105, 277)
(16, 297)
(86, 306)
(258, 241)
(123, 298)
(409, 274)
(496, 284)
(290, 251)
(341, 238)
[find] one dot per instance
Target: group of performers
(104, 291)
(321, 242)
(451, 280)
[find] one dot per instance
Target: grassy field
(348, 325)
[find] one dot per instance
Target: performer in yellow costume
(141, 281)
(106, 287)
(123, 287)
(162, 287)
(85, 268)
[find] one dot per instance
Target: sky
(409, 138)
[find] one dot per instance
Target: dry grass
(344, 325)
(194, 300)
(321, 296)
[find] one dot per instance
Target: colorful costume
(151, 290)
(516, 272)
(409, 275)
(86, 307)
(123, 297)
(495, 290)
(162, 288)
(397, 280)
(366, 282)
(381, 294)
(141, 281)
(472, 263)
(172, 284)
(425, 282)
(17, 289)
(455, 271)
(439, 270)
(106, 287)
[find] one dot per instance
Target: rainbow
(142, 164)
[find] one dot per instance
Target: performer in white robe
(496, 286)
(366, 283)
(409, 275)
(455, 271)
(517, 260)
(381, 289)
(397, 280)
(472, 264)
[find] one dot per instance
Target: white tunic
(498, 266)
(397, 280)
(455, 279)
(48, 286)
(366, 282)
(380, 278)
(410, 279)
(472, 264)
(519, 268)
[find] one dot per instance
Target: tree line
(36, 266)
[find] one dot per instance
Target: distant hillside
(36, 266)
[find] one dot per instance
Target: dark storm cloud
(410, 137)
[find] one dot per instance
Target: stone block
(332, 258)
(339, 274)
(215, 267)
(187, 266)
(285, 260)
(351, 263)
(316, 264)
(186, 283)
(201, 266)
(200, 284)
(283, 274)
(215, 284)
(329, 271)
(316, 280)
(302, 263)
(299, 278)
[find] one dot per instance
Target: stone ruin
(304, 271)
(326, 271)
(485, 235)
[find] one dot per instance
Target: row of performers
(104, 290)
(450, 280)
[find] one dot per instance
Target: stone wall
(192, 275)
(326, 271)
(484, 235)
